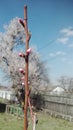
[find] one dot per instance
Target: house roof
(58, 90)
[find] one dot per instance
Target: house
(58, 90)
(5, 93)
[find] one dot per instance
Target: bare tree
(12, 42)
(66, 83)
(70, 84)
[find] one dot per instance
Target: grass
(8, 122)
(46, 122)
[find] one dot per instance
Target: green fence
(15, 110)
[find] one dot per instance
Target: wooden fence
(55, 105)
(59, 105)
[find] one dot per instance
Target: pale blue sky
(51, 25)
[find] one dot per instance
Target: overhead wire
(51, 42)
(46, 45)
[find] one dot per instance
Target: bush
(37, 100)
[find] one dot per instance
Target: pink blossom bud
(28, 83)
(20, 54)
(21, 22)
(23, 83)
(21, 71)
(23, 78)
(28, 51)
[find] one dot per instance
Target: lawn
(46, 122)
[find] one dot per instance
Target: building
(7, 94)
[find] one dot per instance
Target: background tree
(12, 41)
(66, 83)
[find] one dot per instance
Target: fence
(14, 110)
(59, 105)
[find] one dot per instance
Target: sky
(51, 26)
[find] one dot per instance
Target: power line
(46, 45)
(50, 43)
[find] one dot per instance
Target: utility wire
(46, 45)
(50, 43)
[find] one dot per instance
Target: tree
(11, 42)
(66, 83)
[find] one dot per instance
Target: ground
(46, 122)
